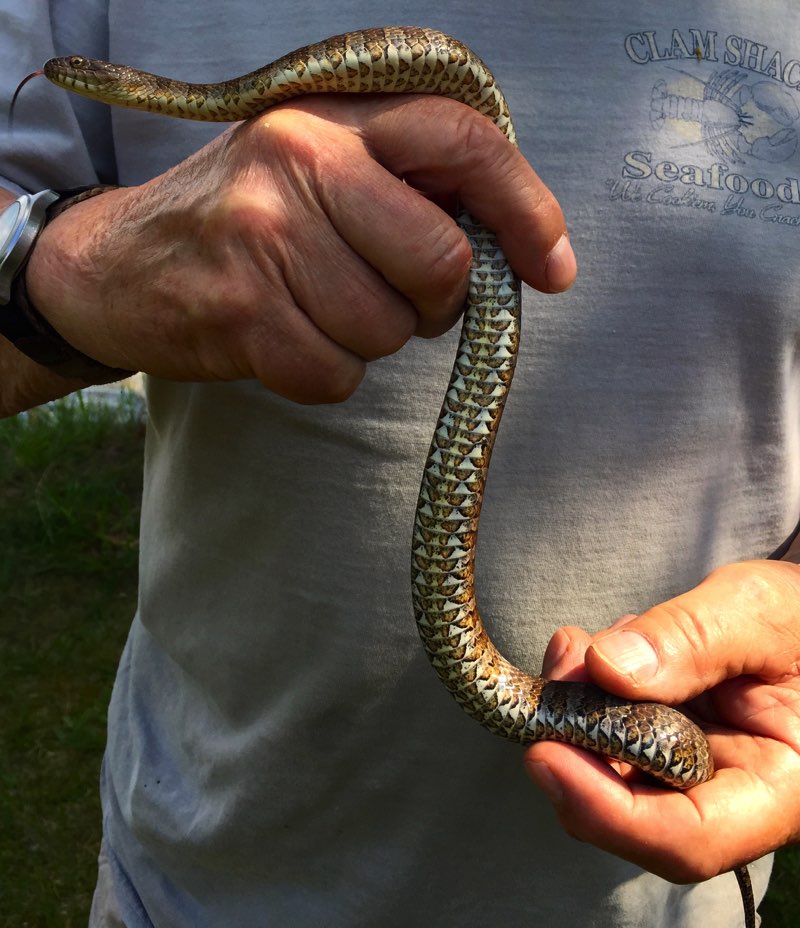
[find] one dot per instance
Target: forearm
(24, 384)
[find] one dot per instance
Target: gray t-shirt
(280, 752)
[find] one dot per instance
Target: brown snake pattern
(506, 700)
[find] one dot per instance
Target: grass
(781, 907)
(69, 505)
(69, 509)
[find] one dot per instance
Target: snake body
(504, 699)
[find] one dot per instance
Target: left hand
(732, 646)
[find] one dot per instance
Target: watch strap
(28, 330)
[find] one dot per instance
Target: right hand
(290, 249)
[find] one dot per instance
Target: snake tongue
(22, 83)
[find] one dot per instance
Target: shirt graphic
(724, 115)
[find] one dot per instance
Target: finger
(324, 372)
(263, 345)
(338, 287)
(442, 146)
(410, 243)
(760, 709)
(683, 837)
(563, 657)
(623, 620)
(742, 619)
(421, 251)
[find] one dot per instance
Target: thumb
(742, 619)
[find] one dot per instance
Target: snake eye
(76, 61)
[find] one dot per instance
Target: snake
(658, 740)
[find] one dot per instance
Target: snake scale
(523, 708)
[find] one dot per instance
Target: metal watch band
(28, 330)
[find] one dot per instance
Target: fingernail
(560, 265)
(629, 653)
(544, 778)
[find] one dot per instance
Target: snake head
(90, 77)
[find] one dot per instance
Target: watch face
(20, 223)
(8, 224)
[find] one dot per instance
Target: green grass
(69, 509)
(69, 506)
(781, 907)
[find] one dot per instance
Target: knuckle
(334, 386)
(230, 308)
(321, 377)
(373, 321)
(491, 156)
(761, 588)
(244, 213)
(483, 143)
(449, 256)
(441, 286)
(692, 635)
(344, 387)
(282, 128)
(763, 584)
(389, 340)
(306, 147)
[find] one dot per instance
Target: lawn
(69, 507)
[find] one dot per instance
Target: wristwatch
(20, 322)
(20, 225)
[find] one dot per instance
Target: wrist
(60, 291)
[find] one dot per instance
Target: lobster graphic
(738, 120)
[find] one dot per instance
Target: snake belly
(504, 699)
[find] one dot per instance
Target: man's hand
(297, 246)
(732, 645)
